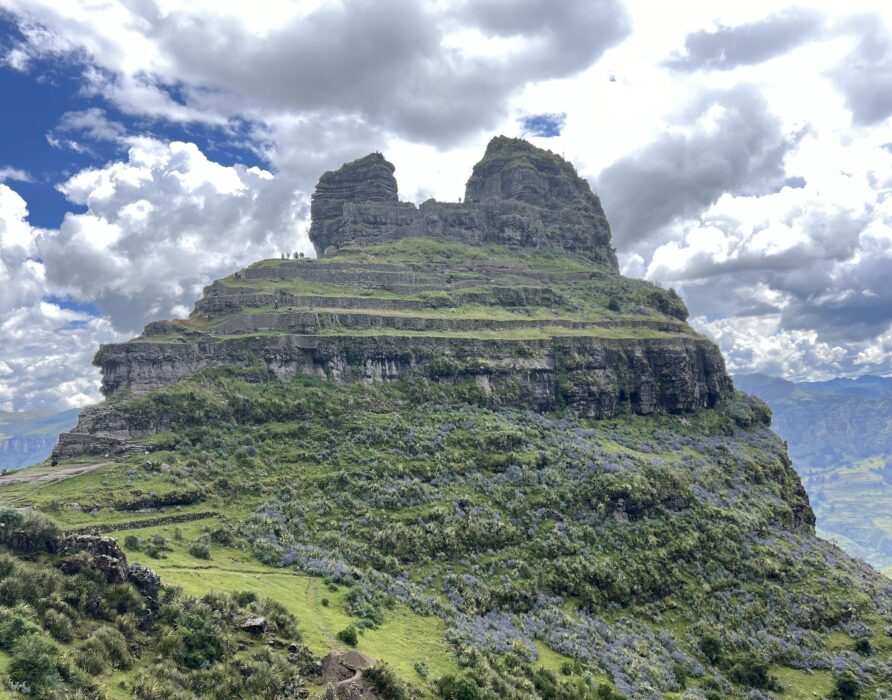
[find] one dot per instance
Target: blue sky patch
(35, 101)
(73, 305)
(546, 125)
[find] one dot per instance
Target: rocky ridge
(516, 290)
(518, 195)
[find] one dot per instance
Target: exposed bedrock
(595, 377)
(518, 195)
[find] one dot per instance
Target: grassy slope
(487, 542)
(305, 452)
(431, 260)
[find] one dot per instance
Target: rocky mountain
(472, 461)
(839, 434)
(28, 437)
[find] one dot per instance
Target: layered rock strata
(537, 322)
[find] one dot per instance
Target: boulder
(102, 554)
(146, 581)
(254, 625)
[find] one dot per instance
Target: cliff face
(515, 291)
(518, 195)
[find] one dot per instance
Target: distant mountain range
(28, 437)
(839, 435)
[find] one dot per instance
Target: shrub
(751, 672)
(711, 648)
(201, 641)
(133, 542)
(421, 669)
(13, 628)
(681, 675)
(58, 625)
(27, 531)
(245, 598)
(454, 688)
(324, 602)
(222, 536)
(385, 682)
(106, 646)
(33, 662)
(846, 687)
(348, 636)
(200, 550)
(863, 647)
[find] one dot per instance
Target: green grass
(516, 333)
(799, 685)
(432, 251)
(403, 639)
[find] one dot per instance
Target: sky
(742, 152)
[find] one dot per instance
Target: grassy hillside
(486, 552)
(839, 434)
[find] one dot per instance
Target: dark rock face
(369, 179)
(103, 554)
(518, 195)
(596, 377)
(513, 169)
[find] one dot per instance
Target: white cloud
(161, 224)
(48, 350)
(759, 344)
(157, 228)
(10, 173)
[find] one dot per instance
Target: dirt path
(43, 475)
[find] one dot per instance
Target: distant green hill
(839, 434)
(28, 437)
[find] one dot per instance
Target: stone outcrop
(518, 195)
(367, 180)
(102, 554)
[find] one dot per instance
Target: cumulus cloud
(161, 224)
(865, 75)
(761, 344)
(48, 350)
(21, 275)
(725, 141)
(393, 64)
(794, 282)
(156, 228)
(45, 350)
(725, 48)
